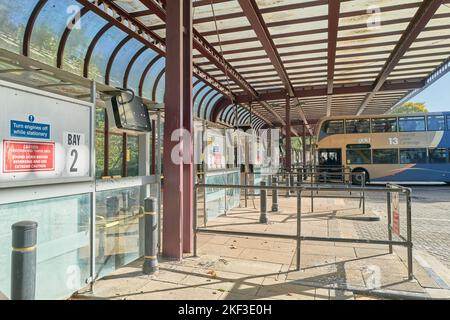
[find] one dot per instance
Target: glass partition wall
(89, 228)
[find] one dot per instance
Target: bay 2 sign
(44, 138)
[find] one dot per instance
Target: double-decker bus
(388, 148)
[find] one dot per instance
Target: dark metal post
(112, 206)
(263, 206)
(299, 225)
(312, 192)
(246, 190)
(305, 176)
(23, 260)
(151, 237)
(364, 192)
(409, 234)
(292, 182)
(389, 219)
(195, 217)
(275, 207)
(288, 181)
(288, 163)
(125, 201)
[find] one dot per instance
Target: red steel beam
(172, 238)
(65, 36)
(288, 163)
(258, 24)
(188, 147)
(91, 47)
(29, 27)
(123, 20)
(113, 56)
(333, 25)
(424, 14)
(208, 51)
(350, 88)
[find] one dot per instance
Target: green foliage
(411, 107)
(115, 150)
(296, 143)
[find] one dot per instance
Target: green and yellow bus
(388, 148)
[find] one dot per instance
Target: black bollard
(151, 236)
(288, 184)
(263, 215)
(23, 260)
(125, 201)
(292, 181)
(112, 207)
(275, 195)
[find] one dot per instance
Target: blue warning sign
(32, 130)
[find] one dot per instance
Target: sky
(437, 96)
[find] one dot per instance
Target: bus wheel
(357, 178)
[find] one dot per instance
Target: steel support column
(173, 167)
(188, 148)
(304, 151)
(288, 135)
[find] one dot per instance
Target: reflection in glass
(133, 156)
(78, 43)
(408, 156)
(121, 62)
(211, 106)
(357, 126)
(119, 229)
(63, 254)
(13, 20)
(48, 28)
(411, 124)
(207, 98)
(359, 156)
(384, 125)
(436, 123)
(115, 154)
(438, 155)
(385, 156)
(202, 93)
(332, 127)
(153, 73)
(102, 52)
(160, 89)
(138, 67)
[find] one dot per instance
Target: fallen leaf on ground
(212, 273)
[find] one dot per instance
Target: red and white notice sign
(396, 213)
(27, 156)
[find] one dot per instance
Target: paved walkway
(233, 268)
(430, 220)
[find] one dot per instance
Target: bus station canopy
(251, 57)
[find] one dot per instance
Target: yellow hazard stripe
(29, 249)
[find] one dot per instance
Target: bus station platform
(253, 268)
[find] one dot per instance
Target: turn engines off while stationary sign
(44, 137)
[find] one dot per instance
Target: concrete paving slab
(250, 268)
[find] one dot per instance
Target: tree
(411, 107)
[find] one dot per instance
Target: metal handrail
(405, 242)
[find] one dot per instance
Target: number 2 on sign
(393, 141)
(74, 154)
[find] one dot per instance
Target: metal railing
(300, 190)
(295, 179)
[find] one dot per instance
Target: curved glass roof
(67, 35)
(340, 57)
